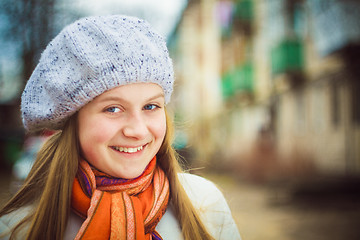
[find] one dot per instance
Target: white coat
(205, 196)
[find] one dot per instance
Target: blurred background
(265, 102)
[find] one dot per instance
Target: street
(269, 212)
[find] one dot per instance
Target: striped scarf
(115, 208)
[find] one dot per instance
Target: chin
(128, 174)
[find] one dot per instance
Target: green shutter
(227, 85)
(244, 10)
(244, 78)
(240, 79)
(287, 56)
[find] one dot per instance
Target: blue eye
(150, 107)
(113, 109)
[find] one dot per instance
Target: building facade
(287, 72)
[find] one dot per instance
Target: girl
(110, 170)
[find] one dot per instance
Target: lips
(127, 149)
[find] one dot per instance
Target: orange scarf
(115, 208)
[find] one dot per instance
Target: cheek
(159, 129)
(91, 136)
(94, 129)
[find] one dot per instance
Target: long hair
(49, 184)
(188, 217)
(48, 187)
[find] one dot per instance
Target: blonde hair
(49, 184)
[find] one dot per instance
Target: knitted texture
(115, 208)
(89, 57)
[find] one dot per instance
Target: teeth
(128, 150)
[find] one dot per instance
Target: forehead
(133, 92)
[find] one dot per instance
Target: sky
(161, 14)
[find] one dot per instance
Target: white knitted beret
(89, 57)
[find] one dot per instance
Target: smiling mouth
(127, 149)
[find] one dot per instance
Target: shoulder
(211, 205)
(10, 220)
(203, 194)
(201, 191)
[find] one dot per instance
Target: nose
(135, 126)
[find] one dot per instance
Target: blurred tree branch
(31, 25)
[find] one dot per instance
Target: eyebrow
(118, 98)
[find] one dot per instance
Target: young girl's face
(121, 130)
